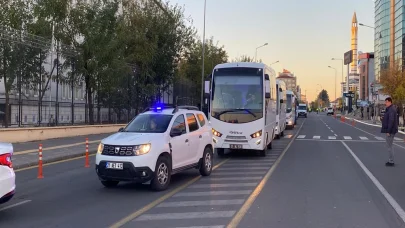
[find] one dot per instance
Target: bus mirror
(206, 95)
(267, 95)
(280, 89)
(207, 87)
(266, 77)
(281, 101)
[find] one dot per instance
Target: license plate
(114, 165)
(236, 146)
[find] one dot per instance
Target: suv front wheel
(162, 175)
(207, 162)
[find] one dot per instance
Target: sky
(303, 35)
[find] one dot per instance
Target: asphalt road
(71, 195)
(319, 183)
(323, 174)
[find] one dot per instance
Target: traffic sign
(348, 57)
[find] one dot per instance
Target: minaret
(353, 65)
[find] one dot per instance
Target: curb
(373, 125)
(50, 160)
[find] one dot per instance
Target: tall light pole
(203, 56)
(258, 48)
(335, 80)
(319, 93)
(342, 79)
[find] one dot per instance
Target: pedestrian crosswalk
(363, 138)
(211, 201)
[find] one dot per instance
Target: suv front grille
(112, 150)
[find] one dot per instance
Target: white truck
(302, 110)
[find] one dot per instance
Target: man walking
(390, 128)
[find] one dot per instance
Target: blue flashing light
(158, 107)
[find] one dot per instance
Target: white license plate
(236, 146)
(114, 165)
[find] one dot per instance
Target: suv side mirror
(268, 95)
(175, 132)
(266, 77)
(281, 101)
(121, 129)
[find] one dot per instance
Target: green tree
(323, 98)
(189, 69)
(244, 58)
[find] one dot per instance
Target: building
(367, 76)
(303, 98)
(289, 79)
(354, 77)
(389, 19)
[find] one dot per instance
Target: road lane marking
(244, 168)
(316, 137)
(249, 202)
(159, 200)
(238, 173)
(223, 185)
(396, 138)
(379, 138)
(331, 131)
(219, 226)
(54, 147)
(301, 137)
(231, 178)
(53, 163)
(385, 193)
(214, 193)
(347, 137)
(331, 137)
(186, 215)
(363, 138)
(15, 205)
(250, 164)
(336, 135)
(201, 203)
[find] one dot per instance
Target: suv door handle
(186, 140)
(200, 136)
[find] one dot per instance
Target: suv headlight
(216, 133)
(141, 149)
(100, 148)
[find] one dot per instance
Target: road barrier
(17, 135)
(87, 164)
(40, 174)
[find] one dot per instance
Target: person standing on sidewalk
(390, 128)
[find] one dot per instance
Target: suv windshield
(302, 108)
(149, 123)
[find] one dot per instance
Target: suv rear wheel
(207, 162)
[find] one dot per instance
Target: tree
(393, 82)
(323, 98)
(189, 70)
(243, 58)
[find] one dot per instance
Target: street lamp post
(258, 48)
(342, 79)
(318, 95)
(335, 79)
(203, 56)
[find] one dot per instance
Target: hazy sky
(302, 35)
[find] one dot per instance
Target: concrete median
(17, 135)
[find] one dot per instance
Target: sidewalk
(26, 154)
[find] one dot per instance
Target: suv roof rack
(186, 107)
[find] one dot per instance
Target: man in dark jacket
(390, 127)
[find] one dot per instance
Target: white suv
(155, 145)
(7, 175)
